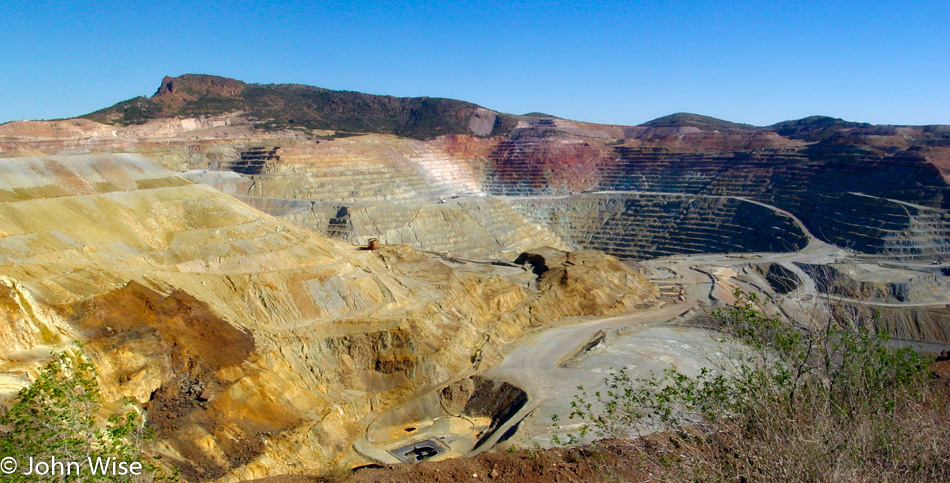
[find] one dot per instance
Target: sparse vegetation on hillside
(814, 128)
(538, 114)
(504, 123)
(137, 110)
(294, 106)
(829, 404)
(686, 119)
(210, 105)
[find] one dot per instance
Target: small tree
(58, 416)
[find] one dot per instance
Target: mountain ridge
(303, 107)
(307, 108)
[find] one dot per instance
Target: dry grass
(913, 444)
(832, 403)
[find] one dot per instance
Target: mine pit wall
(843, 197)
(925, 238)
(780, 279)
(154, 270)
(899, 286)
(422, 194)
(535, 166)
(918, 323)
(471, 228)
(641, 226)
(288, 165)
(480, 396)
(364, 169)
(890, 207)
(929, 325)
(386, 183)
(468, 397)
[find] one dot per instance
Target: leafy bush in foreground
(831, 403)
(58, 417)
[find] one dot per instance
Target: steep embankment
(886, 205)
(158, 275)
(474, 228)
(642, 226)
(890, 206)
(873, 283)
(353, 188)
(879, 190)
(423, 194)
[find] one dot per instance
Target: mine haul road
(533, 365)
(650, 342)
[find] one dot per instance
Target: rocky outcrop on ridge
(295, 106)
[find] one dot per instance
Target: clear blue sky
(623, 62)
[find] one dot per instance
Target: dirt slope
(256, 347)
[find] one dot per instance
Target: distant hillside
(289, 106)
(686, 119)
(306, 108)
(814, 128)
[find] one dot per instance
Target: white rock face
(482, 122)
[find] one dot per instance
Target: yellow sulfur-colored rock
(256, 347)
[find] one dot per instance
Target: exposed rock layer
(878, 190)
(638, 226)
(157, 274)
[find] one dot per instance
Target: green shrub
(58, 417)
(828, 403)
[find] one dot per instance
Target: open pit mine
(287, 279)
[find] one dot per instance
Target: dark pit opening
(423, 452)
